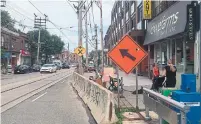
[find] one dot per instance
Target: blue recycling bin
(188, 82)
(193, 100)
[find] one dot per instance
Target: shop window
(158, 53)
(190, 58)
(173, 52)
(164, 53)
(179, 55)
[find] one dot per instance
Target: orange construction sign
(127, 54)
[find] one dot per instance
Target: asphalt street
(12, 78)
(58, 104)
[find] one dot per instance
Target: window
(132, 8)
(139, 13)
(190, 57)
(164, 53)
(179, 55)
(2, 40)
(126, 15)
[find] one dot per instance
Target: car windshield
(48, 65)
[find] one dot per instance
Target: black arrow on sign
(124, 52)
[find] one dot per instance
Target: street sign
(127, 54)
(80, 50)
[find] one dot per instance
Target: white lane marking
(39, 97)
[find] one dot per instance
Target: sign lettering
(147, 9)
(190, 26)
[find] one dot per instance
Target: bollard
(147, 117)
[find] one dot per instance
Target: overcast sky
(60, 13)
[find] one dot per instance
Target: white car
(48, 68)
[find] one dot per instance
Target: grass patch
(120, 114)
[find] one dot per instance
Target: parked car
(58, 63)
(48, 68)
(91, 67)
(73, 65)
(58, 67)
(22, 69)
(65, 65)
(36, 68)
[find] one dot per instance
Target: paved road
(58, 104)
(13, 78)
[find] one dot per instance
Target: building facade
(167, 37)
(15, 47)
(126, 18)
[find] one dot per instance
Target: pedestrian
(170, 73)
(155, 76)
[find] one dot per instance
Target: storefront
(168, 34)
(24, 58)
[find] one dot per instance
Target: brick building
(16, 48)
(126, 18)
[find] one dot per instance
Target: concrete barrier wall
(99, 100)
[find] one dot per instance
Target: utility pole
(3, 3)
(86, 30)
(96, 50)
(39, 23)
(99, 4)
(80, 33)
(68, 53)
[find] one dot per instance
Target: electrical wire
(59, 30)
(92, 12)
(71, 5)
(8, 6)
(35, 7)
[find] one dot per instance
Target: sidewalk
(129, 82)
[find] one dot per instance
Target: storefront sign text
(166, 25)
(190, 26)
(147, 9)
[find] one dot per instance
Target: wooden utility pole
(86, 30)
(39, 24)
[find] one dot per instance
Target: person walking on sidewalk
(170, 73)
(155, 74)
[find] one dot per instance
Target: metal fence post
(147, 117)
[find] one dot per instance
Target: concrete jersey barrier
(99, 100)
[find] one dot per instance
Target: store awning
(170, 22)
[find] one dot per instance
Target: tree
(7, 21)
(50, 44)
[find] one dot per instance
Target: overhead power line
(35, 7)
(71, 5)
(59, 30)
(19, 12)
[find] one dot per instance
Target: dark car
(22, 69)
(36, 68)
(65, 65)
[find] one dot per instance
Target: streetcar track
(29, 82)
(47, 85)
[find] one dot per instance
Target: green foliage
(7, 21)
(50, 44)
(120, 114)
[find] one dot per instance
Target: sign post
(127, 55)
(137, 88)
